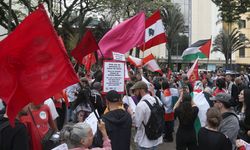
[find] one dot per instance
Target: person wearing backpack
(148, 118)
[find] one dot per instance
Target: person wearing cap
(118, 122)
(142, 114)
(229, 124)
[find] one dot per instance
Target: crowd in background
(123, 116)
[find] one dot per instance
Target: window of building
(242, 24)
(242, 37)
(242, 52)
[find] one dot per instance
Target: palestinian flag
(203, 105)
(202, 102)
(200, 49)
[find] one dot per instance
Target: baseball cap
(222, 97)
(113, 96)
(139, 85)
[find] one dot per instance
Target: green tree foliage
(228, 43)
(231, 9)
(180, 44)
(173, 21)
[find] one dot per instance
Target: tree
(230, 10)
(173, 21)
(180, 44)
(228, 43)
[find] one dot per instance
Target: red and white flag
(150, 63)
(134, 61)
(193, 72)
(154, 31)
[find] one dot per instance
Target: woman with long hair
(244, 115)
(186, 112)
(82, 106)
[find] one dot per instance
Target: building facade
(242, 57)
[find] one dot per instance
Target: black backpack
(155, 125)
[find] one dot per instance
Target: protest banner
(118, 56)
(113, 76)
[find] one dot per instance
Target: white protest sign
(92, 121)
(129, 101)
(61, 147)
(113, 76)
(119, 56)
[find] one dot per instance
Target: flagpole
(10, 16)
(101, 53)
(209, 53)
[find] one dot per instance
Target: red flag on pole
(86, 46)
(151, 64)
(33, 64)
(134, 61)
(193, 72)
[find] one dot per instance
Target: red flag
(86, 46)
(154, 32)
(151, 64)
(124, 36)
(88, 61)
(33, 64)
(193, 72)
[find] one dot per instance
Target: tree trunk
(169, 47)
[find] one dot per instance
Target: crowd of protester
(123, 117)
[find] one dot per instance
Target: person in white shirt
(142, 114)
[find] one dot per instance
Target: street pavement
(167, 146)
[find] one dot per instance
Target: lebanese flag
(193, 72)
(154, 32)
(134, 61)
(34, 65)
(124, 37)
(150, 63)
(86, 46)
(88, 61)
